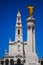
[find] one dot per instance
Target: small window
(18, 31)
(18, 46)
(18, 23)
(18, 41)
(18, 18)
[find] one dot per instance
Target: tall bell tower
(18, 31)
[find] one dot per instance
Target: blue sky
(8, 12)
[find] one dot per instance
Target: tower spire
(18, 33)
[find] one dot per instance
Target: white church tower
(16, 47)
(18, 31)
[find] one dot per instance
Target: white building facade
(22, 53)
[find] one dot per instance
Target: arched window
(18, 23)
(6, 62)
(11, 62)
(2, 62)
(18, 31)
(41, 62)
(18, 61)
(18, 18)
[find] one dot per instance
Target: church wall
(12, 49)
(16, 48)
(25, 48)
(20, 48)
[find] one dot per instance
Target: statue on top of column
(30, 8)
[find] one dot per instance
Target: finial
(19, 11)
(18, 14)
(30, 8)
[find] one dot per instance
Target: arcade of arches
(11, 62)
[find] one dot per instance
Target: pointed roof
(18, 20)
(18, 14)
